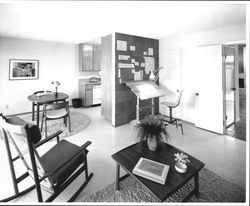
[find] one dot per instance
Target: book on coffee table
(151, 170)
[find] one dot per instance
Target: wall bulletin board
(135, 57)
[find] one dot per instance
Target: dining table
(46, 98)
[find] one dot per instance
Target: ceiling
(81, 21)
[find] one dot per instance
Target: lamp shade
(152, 76)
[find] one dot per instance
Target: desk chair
(53, 111)
(53, 171)
(34, 104)
(171, 105)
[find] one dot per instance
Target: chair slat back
(58, 105)
(42, 91)
(17, 129)
(178, 100)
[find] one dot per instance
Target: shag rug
(78, 122)
(213, 188)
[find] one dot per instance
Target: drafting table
(145, 89)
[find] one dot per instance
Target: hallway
(238, 130)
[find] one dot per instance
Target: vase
(181, 167)
(152, 143)
(56, 93)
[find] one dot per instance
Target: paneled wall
(106, 65)
(130, 54)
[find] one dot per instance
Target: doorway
(229, 85)
(235, 92)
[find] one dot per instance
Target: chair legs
(69, 123)
(170, 114)
(45, 128)
(64, 121)
(179, 123)
(173, 120)
(33, 111)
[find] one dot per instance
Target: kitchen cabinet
(90, 57)
(90, 93)
(96, 57)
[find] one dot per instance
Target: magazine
(152, 170)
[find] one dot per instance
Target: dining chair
(53, 171)
(35, 104)
(53, 111)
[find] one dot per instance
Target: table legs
(196, 185)
(117, 176)
(195, 191)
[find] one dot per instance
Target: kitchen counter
(89, 92)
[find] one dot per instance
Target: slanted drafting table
(145, 89)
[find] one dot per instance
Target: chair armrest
(48, 138)
(80, 150)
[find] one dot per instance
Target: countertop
(86, 81)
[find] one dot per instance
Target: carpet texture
(213, 188)
(79, 121)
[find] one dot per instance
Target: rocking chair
(52, 171)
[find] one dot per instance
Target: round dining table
(45, 98)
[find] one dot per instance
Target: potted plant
(181, 164)
(153, 130)
(56, 85)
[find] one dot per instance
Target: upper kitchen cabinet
(90, 56)
(86, 57)
(97, 57)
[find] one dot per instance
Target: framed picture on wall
(21, 69)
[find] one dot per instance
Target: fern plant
(152, 127)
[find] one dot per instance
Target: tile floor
(221, 154)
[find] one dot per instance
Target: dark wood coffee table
(128, 158)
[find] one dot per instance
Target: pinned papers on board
(149, 64)
(132, 48)
(138, 75)
(123, 57)
(150, 51)
(121, 45)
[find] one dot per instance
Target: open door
(209, 91)
(229, 85)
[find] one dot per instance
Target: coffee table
(127, 159)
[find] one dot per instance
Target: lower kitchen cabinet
(90, 93)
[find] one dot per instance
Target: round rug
(78, 122)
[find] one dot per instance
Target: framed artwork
(21, 69)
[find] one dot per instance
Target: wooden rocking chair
(52, 171)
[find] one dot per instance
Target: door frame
(236, 70)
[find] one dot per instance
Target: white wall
(187, 45)
(57, 61)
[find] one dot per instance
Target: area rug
(78, 122)
(213, 188)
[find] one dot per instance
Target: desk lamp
(152, 75)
